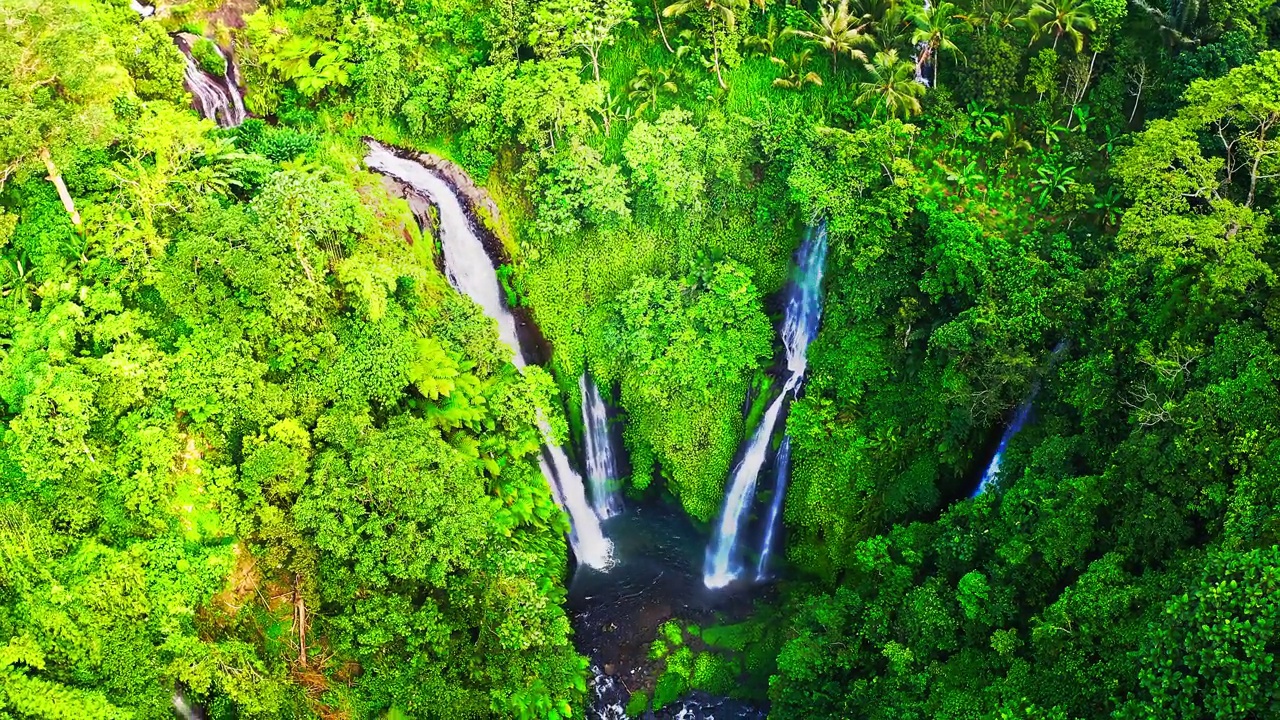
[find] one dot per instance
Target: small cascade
(184, 709)
(601, 453)
(773, 521)
(471, 272)
(799, 326)
(1019, 419)
(216, 98)
(145, 11)
(922, 51)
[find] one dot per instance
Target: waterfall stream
(1016, 424)
(601, 452)
(799, 325)
(216, 98)
(922, 54)
(1019, 419)
(471, 272)
(773, 521)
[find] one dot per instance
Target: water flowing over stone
(601, 453)
(145, 11)
(216, 98)
(471, 272)
(773, 521)
(799, 325)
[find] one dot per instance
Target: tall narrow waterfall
(921, 57)
(799, 325)
(773, 521)
(1019, 419)
(216, 98)
(601, 453)
(471, 272)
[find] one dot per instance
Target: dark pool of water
(616, 614)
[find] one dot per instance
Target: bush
(208, 58)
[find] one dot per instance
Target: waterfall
(144, 10)
(601, 456)
(471, 272)
(183, 708)
(799, 325)
(922, 51)
(1019, 419)
(215, 98)
(773, 520)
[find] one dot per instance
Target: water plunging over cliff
(799, 325)
(1015, 425)
(1019, 419)
(773, 521)
(600, 451)
(471, 272)
(216, 98)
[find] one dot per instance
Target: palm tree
(997, 15)
(796, 77)
(893, 84)
(934, 29)
(726, 11)
(1062, 17)
(892, 30)
(837, 31)
(764, 43)
(648, 87)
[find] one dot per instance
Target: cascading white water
(471, 272)
(1019, 419)
(216, 98)
(773, 520)
(145, 11)
(601, 456)
(799, 325)
(922, 51)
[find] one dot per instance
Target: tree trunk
(1136, 98)
(936, 63)
(301, 608)
(1253, 171)
(658, 14)
(56, 179)
(715, 44)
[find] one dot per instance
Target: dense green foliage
(256, 447)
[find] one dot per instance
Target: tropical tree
(838, 31)
(1007, 134)
(1062, 17)
(893, 84)
(765, 43)
(795, 76)
(892, 31)
(648, 87)
(723, 13)
(935, 27)
(994, 15)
